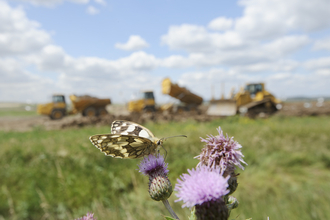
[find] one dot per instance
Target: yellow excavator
(250, 101)
(86, 105)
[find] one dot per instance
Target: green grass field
(61, 175)
(18, 111)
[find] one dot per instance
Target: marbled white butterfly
(127, 140)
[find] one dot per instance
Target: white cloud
(319, 63)
(280, 76)
(49, 58)
(193, 38)
(135, 42)
(187, 37)
(286, 45)
(84, 75)
(90, 71)
(211, 83)
(176, 61)
(17, 84)
(253, 54)
(18, 34)
(296, 84)
(91, 75)
(79, 1)
(92, 10)
(323, 44)
(273, 18)
(137, 61)
(323, 72)
(12, 72)
(221, 24)
(53, 58)
(272, 66)
(101, 2)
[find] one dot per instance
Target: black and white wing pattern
(128, 140)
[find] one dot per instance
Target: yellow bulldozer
(86, 105)
(250, 101)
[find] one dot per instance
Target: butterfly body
(127, 140)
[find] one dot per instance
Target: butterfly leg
(165, 152)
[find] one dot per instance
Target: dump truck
(146, 100)
(250, 101)
(86, 105)
(144, 103)
(189, 100)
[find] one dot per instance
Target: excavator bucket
(222, 107)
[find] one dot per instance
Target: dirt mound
(288, 109)
(28, 123)
(108, 119)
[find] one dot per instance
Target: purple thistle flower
(89, 216)
(204, 188)
(152, 163)
(221, 151)
(201, 185)
(160, 187)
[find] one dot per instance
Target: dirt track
(28, 123)
(305, 109)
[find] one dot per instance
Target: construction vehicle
(145, 103)
(250, 101)
(86, 105)
(189, 100)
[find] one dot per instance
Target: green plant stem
(169, 208)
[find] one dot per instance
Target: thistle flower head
(201, 185)
(88, 216)
(151, 164)
(222, 152)
(160, 187)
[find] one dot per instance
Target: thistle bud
(232, 203)
(160, 187)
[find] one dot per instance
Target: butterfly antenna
(164, 139)
(173, 137)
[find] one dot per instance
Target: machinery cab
(58, 98)
(59, 107)
(149, 98)
(257, 92)
(252, 92)
(55, 109)
(145, 102)
(59, 102)
(253, 89)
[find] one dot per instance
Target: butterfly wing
(131, 128)
(123, 146)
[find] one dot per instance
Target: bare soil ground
(119, 112)
(305, 109)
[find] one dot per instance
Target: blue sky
(72, 27)
(117, 48)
